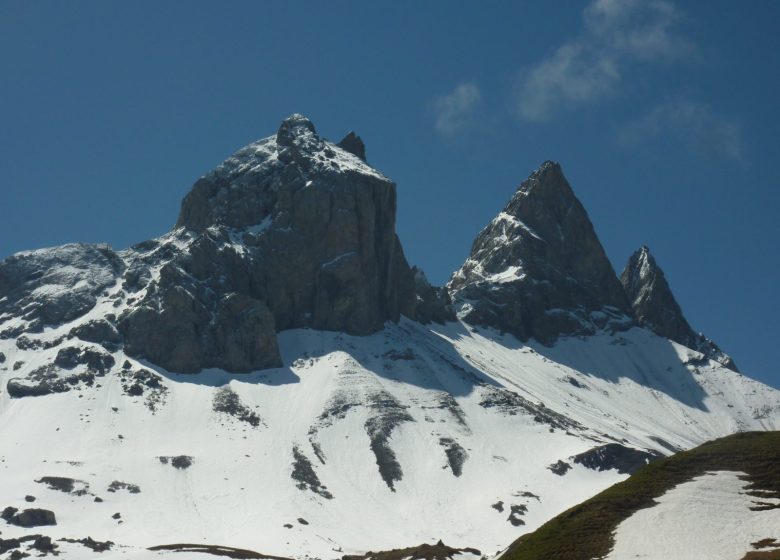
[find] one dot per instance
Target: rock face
(291, 231)
(625, 460)
(30, 517)
(354, 145)
(538, 270)
(433, 303)
(49, 287)
(655, 307)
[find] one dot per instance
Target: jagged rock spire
(354, 145)
(656, 308)
(651, 298)
(538, 269)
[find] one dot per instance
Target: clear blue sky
(663, 114)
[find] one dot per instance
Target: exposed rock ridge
(655, 307)
(538, 269)
(295, 229)
(290, 231)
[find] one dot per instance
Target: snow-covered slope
(202, 388)
(720, 500)
(406, 436)
(712, 517)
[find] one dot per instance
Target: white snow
(259, 156)
(513, 224)
(707, 518)
(239, 491)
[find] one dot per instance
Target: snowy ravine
(301, 443)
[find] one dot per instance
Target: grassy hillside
(584, 532)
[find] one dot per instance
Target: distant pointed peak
(548, 177)
(548, 166)
(353, 144)
(640, 272)
(547, 169)
(641, 264)
(656, 308)
(294, 126)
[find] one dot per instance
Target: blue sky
(663, 114)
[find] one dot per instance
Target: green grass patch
(585, 531)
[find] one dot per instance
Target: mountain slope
(464, 428)
(719, 500)
(271, 375)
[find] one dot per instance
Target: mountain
(719, 500)
(271, 375)
(656, 309)
(538, 269)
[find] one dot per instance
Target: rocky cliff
(655, 307)
(290, 231)
(293, 231)
(538, 269)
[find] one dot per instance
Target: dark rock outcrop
(33, 518)
(45, 380)
(456, 455)
(90, 543)
(99, 331)
(438, 551)
(626, 460)
(180, 462)
(305, 476)
(191, 317)
(95, 361)
(538, 269)
(59, 377)
(387, 413)
(353, 144)
(655, 307)
(560, 467)
(54, 286)
(291, 231)
(228, 402)
(433, 303)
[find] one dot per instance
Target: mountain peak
(300, 231)
(548, 166)
(541, 266)
(656, 308)
(294, 126)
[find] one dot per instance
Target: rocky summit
(271, 375)
(538, 269)
(291, 231)
(655, 307)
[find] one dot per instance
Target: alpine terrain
(273, 376)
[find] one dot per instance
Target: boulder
(34, 517)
